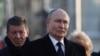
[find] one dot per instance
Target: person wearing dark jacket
(81, 38)
(17, 37)
(55, 43)
(95, 53)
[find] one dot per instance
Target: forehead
(19, 27)
(60, 14)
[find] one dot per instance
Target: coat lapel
(49, 46)
(68, 48)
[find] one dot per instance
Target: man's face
(58, 24)
(17, 35)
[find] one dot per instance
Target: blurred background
(84, 14)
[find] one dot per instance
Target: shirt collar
(54, 41)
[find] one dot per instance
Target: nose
(61, 25)
(17, 35)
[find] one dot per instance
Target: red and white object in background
(1, 44)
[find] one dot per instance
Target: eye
(21, 32)
(58, 21)
(14, 32)
(65, 22)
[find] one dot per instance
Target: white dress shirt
(54, 41)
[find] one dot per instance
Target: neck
(58, 38)
(88, 54)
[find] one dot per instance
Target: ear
(27, 32)
(47, 22)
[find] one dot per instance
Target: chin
(20, 45)
(63, 35)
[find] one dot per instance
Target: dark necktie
(59, 52)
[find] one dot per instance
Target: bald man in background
(54, 42)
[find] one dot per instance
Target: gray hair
(50, 13)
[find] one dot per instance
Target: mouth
(18, 41)
(61, 31)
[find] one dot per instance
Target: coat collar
(50, 48)
(10, 45)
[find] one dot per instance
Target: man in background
(17, 36)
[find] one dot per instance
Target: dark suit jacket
(44, 47)
(95, 53)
